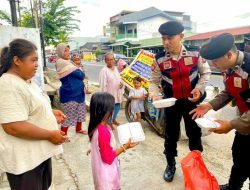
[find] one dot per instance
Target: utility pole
(35, 13)
(13, 12)
(31, 8)
(19, 12)
(41, 35)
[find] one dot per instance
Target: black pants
(173, 117)
(37, 179)
(241, 160)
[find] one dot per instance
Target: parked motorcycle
(155, 117)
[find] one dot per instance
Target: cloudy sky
(219, 13)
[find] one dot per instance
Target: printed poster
(141, 66)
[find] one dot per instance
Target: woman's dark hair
(138, 79)
(18, 47)
(101, 109)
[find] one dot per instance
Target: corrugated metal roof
(146, 43)
(143, 14)
(234, 31)
(119, 43)
(90, 45)
(146, 46)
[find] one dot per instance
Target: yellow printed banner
(141, 66)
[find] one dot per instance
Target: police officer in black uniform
(183, 75)
(235, 66)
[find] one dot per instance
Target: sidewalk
(141, 167)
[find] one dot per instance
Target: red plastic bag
(196, 174)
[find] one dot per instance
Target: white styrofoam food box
(208, 123)
(164, 103)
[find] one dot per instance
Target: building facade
(132, 30)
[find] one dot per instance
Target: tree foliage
(5, 17)
(58, 21)
(27, 19)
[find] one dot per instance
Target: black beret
(171, 28)
(217, 46)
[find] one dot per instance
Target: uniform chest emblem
(237, 82)
(167, 65)
(188, 61)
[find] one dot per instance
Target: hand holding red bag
(196, 174)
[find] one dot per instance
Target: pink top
(110, 82)
(104, 162)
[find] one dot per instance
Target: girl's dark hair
(137, 79)
(18, 47)
(101, 109)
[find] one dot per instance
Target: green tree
(98, 52)
(58, 20)
(5, 17)
(27, 19)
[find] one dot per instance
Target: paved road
(92, 69)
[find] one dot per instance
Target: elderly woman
(76, 60)
(72, 96)
(29, 134)
(110, 81)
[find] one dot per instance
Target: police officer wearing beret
(183, 75)
(235, 66)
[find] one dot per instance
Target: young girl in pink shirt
(104, 161)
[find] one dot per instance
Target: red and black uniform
(237, 87)
(179, 76)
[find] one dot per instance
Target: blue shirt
(72, 88)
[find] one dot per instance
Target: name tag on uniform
(167, 65)
(237, 82)
(188, 61)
